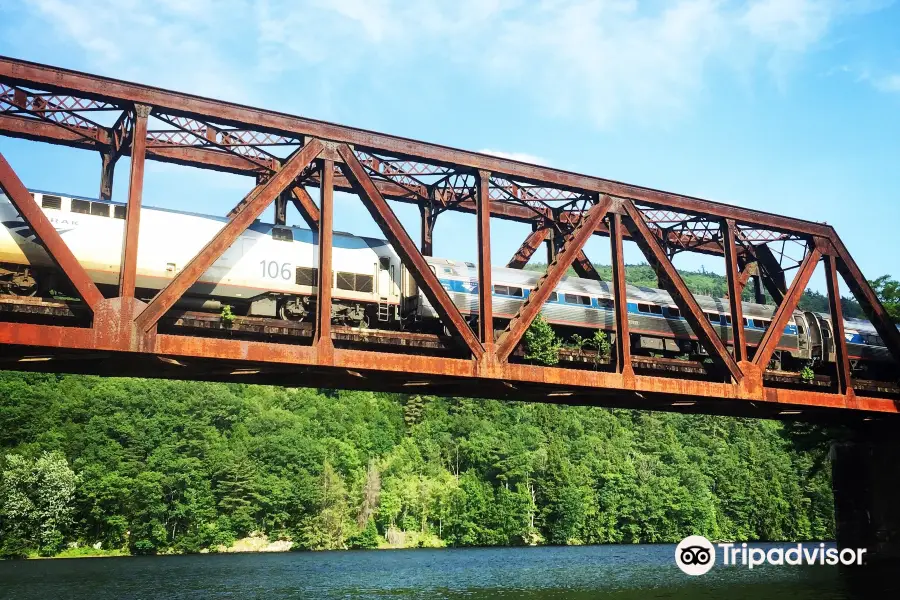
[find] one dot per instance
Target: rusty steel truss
(287, 155)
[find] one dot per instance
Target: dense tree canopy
(154, 466)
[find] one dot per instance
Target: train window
(656, 310)
(385, 263)
(605, 303)
(674, 312)
(644, 308)
(713, 318)
(282, 234)
(354, 282)
(762, 324)
(448, 271)
(728, 319)
(119, 211)
(99, 209)
(51, 202)
(307, 276)
(81, 206)
(800, 329)
(746, 323)
(576, 299)
(553, 297)
(509, 290)
(826, 332)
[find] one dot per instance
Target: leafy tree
(36, 503)
(541, 344)
(888, 291)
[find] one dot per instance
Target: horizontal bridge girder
(471, 378)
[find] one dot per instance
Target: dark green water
(579, 573)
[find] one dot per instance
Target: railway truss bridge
(119, 334)
(287, 155)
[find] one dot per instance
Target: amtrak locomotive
(271, 271)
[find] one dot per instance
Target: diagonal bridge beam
(519, 324)
(226, 237)
(53, 243)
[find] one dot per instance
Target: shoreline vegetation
(169, 467)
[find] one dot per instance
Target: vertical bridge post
(128, 272)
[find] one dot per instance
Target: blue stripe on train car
(471, 287)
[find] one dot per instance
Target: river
(577, 573)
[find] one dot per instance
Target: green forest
(91, 465)
(147, 466)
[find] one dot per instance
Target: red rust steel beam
(485, 285)
(867, 298)
(528, 248)
(786, 309)
(304, 204)
(584, 268)
(519, 324)
(674, 284)
(57, 249)
(326, 237)
(739, 340)
(116, 91)
(620, 295)
(404, 246)
(841, 357)
(226, 237)
(107, 174)
(128, 272)
(770, 273)
(427, 228)
(750, 269)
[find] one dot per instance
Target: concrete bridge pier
(866, 484)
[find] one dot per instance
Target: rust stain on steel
(305, 206)
(620, 296)
(770, 272)
(734, 291)
(841, 357)
(582, 381)
(426, 279)
(786, 309)
(509, 339)
(528, 248)
(57, 249)
(128, 273)
(485, 285)
(426, 226)
(584, 268)
(676, 287)
(322, 338)
(222, 240)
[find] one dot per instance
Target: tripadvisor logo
(695, 555)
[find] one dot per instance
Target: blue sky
(790, 106)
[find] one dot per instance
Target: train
(271, 271)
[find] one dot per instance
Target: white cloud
(888, 83)
(164, 42)
(603, 61)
